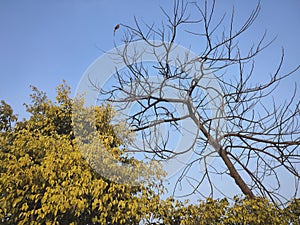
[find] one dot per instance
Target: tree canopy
(57, 169)
(46, 180)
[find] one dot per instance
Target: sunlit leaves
(238, 212)
(7, 117)
(48, 175)
(45, 178)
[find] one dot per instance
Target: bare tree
(253, 135)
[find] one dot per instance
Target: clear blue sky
(43, 42)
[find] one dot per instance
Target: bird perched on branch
(116, 28)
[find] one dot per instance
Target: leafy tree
(239, 212)
(7, 117)
(252, 137)
(46, 180)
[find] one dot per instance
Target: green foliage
(7, 118)
(46, 180)
(49, 175)
(240, 212)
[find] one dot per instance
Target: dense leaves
(240, 212)
(46, 180)
(46, 177)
